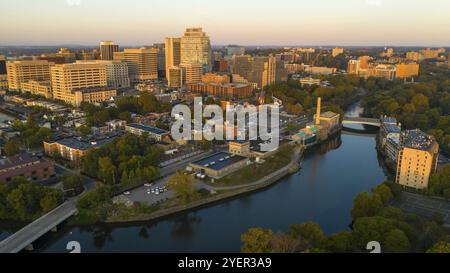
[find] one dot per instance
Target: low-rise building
(153, 132)
(220, 164)
(239, 148)
(26, 165)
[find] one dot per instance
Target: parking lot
(144, 193)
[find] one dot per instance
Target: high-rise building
(78, 82)
(116, 72)
(3, 75)
(336, 51)
(23, 71)
(161, 59)
(142, 63)
(196, 48)
(173, 54)
(417, 159)
(2, 65)
(107, 49)
(353, 67)
(175, 77)
(242, 65)
(191, 72)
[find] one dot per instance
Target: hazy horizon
(351, 23)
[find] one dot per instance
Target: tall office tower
(242, 65)
(175, 77)
(191, 73)
(417, 159)
(234, 50)
(161, 59)
(3, 75)
(269, 73)
(23, 71)
(142, 63)
(116, 72)
(2, 65)
(78, 82)
(196, 48)
(336, 51)
(259, 72)
(281, 74)
(107, 49)
(173, 54)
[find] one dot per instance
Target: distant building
(192, 73)
(230, 90)
(196, 48)
(175, 77)
(417, 159)
(413, 56)
(320, 70)
(216, 78)
(142, 63)
(107, 48)
(26, 165)
(116, 72)
(220, 66)
(337, 51)
(234, 50)
(429, 53)
(23, 71)
(153, 132)
(78, 82)
(173, 54)
(407, 70)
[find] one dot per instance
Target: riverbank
(261, 184)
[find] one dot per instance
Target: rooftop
(389, 120)
(219, 160)
(416, 139)
(15, 160)
(328, 114)
(150, 129)
(391, 128)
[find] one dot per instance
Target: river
(322, 191)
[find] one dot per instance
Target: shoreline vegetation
(99, 208)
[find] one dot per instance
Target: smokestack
(319, 101)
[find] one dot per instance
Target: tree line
(374, 219)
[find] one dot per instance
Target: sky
(243, 22)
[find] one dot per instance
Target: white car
(148, 184)
(127, 193)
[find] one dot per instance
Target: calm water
(323, 192)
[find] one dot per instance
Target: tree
(340, 242)
(73, 184)
(366, 229)
(256, 240)
(50, 201)
(310, 234)
(12, 147)
(183, 185)
(107, 170)
(365, 205)
(284, 243)
(440, 247)
(384, 192)
(396, 241)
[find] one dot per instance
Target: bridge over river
(362, 121)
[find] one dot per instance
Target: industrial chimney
(319, 101)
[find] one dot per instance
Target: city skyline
(323, 22)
